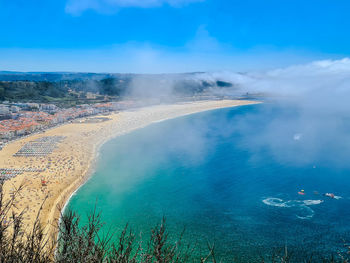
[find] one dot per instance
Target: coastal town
(21, 119)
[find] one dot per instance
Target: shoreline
(94, 161)
(84, 142)
(88, 175)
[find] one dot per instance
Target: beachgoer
(301, 192)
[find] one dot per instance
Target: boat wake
(275, 202)
(302, 206)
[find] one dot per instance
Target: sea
(251, 180)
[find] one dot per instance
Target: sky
(165, 36)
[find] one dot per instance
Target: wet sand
(71, 163)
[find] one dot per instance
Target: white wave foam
(297, 136)
(272, 201)
(312, 202)
(304, 211)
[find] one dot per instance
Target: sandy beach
(71, 162)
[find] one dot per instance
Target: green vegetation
(64, 93)
(69, 89)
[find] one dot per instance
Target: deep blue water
(232, 177)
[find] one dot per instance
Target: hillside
(68, 88)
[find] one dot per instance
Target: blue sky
(154, 36)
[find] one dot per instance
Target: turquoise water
(232, 177)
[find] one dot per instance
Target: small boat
(331, 195)
(301, 192)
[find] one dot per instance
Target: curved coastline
(94, 160)
(120, 124)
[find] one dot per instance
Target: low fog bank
(305, 120)
(320, 81)
(170, 87)
(308, 108)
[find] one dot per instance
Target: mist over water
(231, 176)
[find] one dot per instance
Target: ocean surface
(230, 177)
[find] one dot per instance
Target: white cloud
(204, 42)
(303, 81)
(313, 108)
(76, 7)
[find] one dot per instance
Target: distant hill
(59, 87)
(53, 76)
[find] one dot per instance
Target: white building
(4, 110)
(14, 109)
